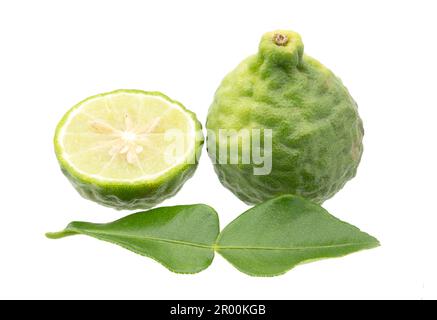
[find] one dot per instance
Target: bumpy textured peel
(317, 132)
(141, 194)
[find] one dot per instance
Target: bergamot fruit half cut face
(313, 122)
(128, 149)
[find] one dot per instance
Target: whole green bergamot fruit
(316, 132)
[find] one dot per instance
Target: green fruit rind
(122, 195)
(317, 131)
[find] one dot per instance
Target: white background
(55, 53)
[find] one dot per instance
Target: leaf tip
(376, 243)
(373, 242)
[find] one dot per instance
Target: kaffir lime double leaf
(267, 240)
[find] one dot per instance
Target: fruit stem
(280, 39)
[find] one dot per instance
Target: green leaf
(275, 236)
(181, 237)
(267, 240)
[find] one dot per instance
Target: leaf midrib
(218, 247)
(130, 236)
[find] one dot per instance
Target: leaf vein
(172, 241)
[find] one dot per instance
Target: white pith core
(125, 142)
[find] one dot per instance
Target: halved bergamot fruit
(128, 149)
